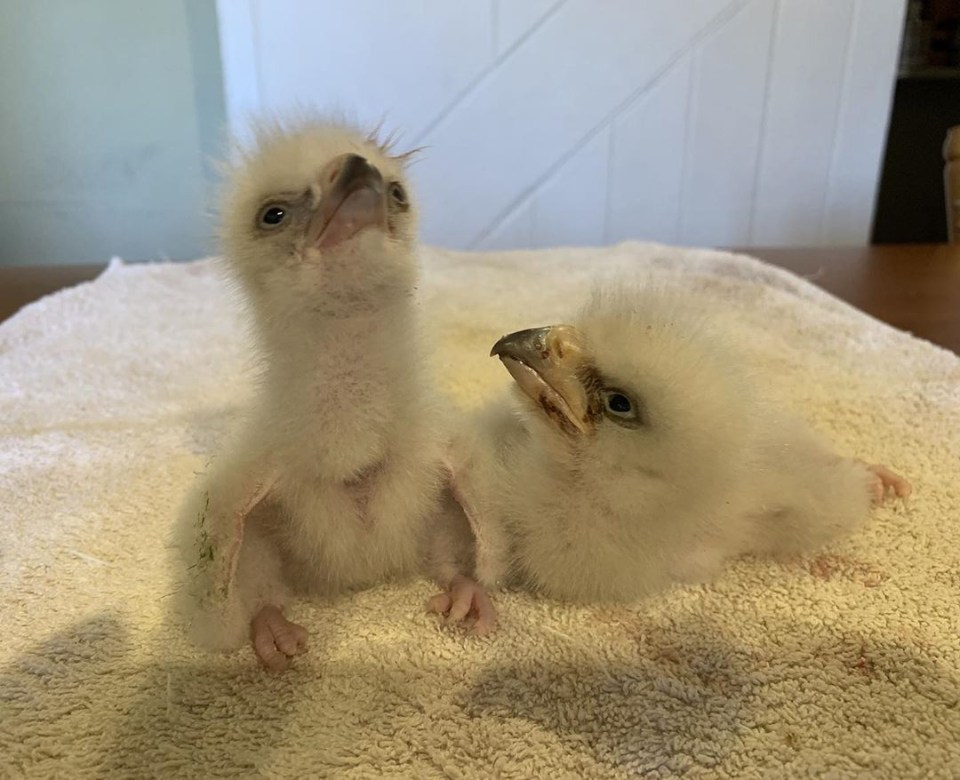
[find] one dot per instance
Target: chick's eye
(618, 403)
(272, 216)
(622, 409)
(398, 194)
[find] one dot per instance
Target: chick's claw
(275, 639)
(465, 601)
(886, 481)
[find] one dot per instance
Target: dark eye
(622, 409)
(398, 194)
(272, 216)
(618, 403)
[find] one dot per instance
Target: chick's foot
(275, 639)
(467, 602)
(887, 481)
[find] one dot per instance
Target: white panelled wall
(709, 122)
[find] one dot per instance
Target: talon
(275, 639)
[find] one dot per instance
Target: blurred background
(710, 122)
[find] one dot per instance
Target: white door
(711, 122)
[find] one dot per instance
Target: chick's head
(636, 390)
(316, 214)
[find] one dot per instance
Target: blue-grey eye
(272, 216)
(618, 403)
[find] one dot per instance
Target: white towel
(114, 394)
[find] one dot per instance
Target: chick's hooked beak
(546, 363)
(352, 199)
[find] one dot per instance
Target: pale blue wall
(110, 111)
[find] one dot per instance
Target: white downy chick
(338, 466)
(633, 453)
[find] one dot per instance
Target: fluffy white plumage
(329, 483)
(635, 452)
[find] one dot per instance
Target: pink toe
(290, 638)
(486, 622)
(887, 479)
(483, 626)
(275, 639)
(439, 604)
(276, 663)
(460, 608)
(271, 658)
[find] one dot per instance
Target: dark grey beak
(356, 173)
(545, 363)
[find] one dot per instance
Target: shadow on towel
(84, 706)
(683, 688)
(692, 697)
(88, 701)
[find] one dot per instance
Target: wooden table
(912, 287)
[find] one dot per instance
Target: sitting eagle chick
(338, 466)
(634, 452)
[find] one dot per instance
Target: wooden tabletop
(912, 287)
